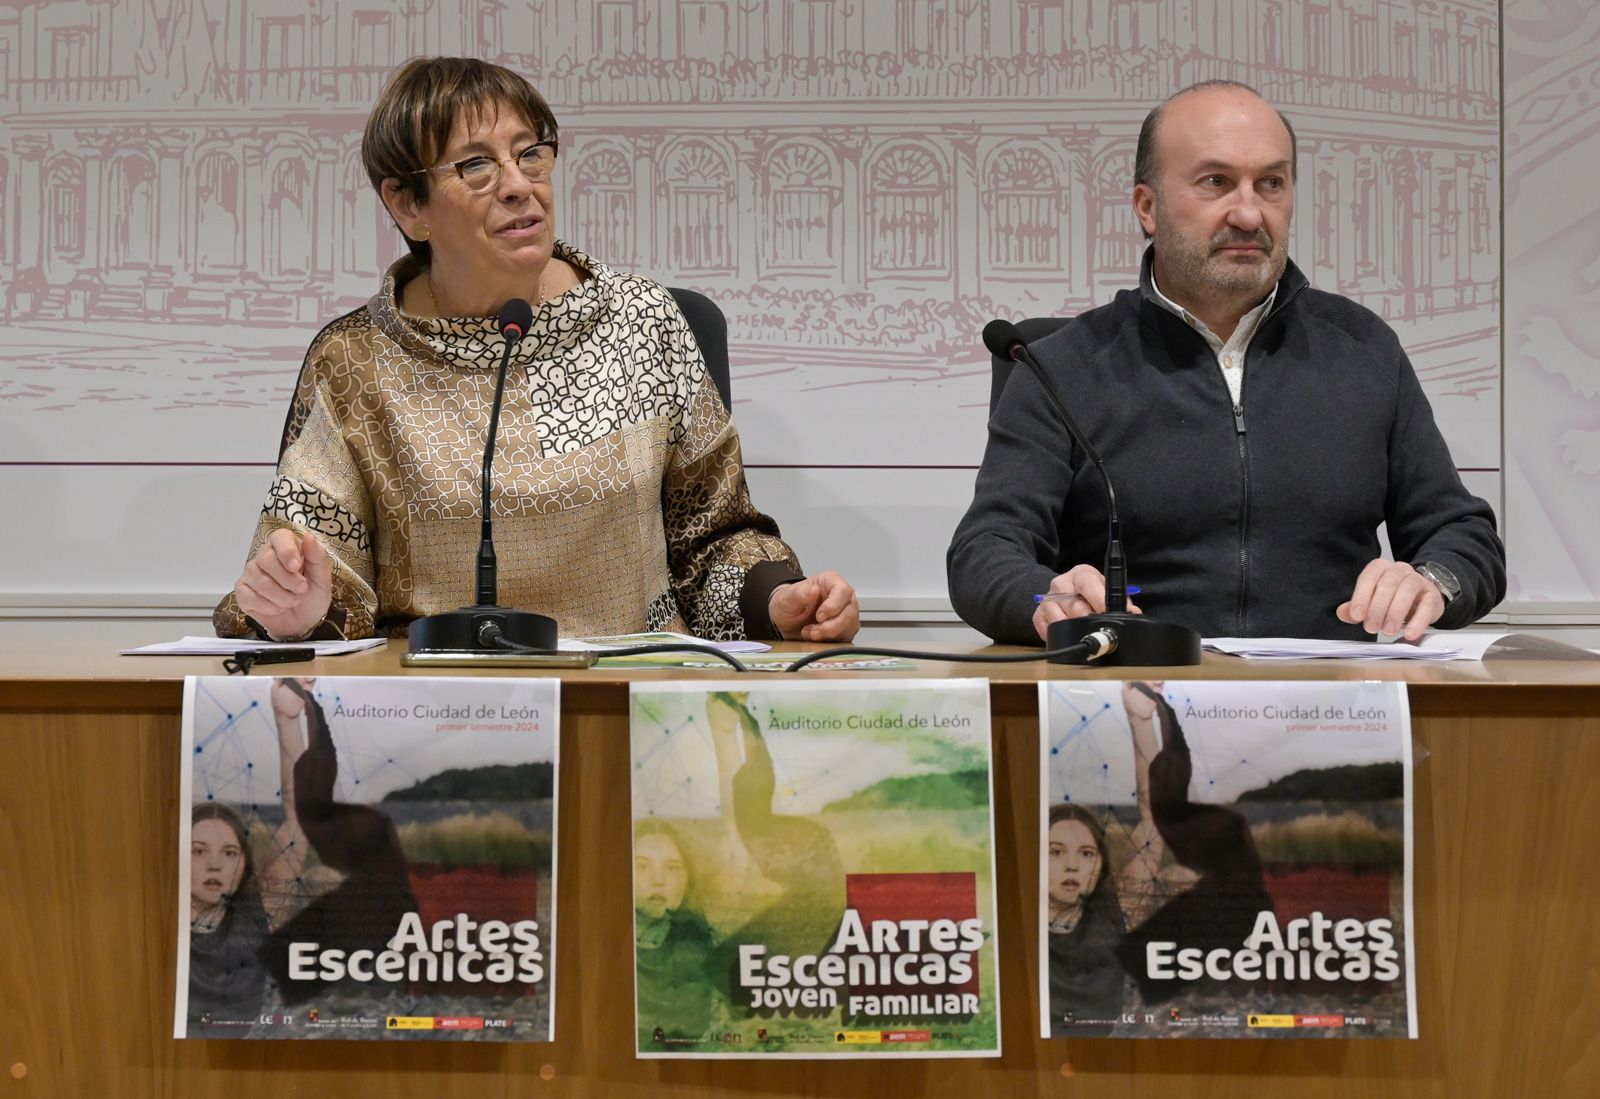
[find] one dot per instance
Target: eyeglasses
(482, 173)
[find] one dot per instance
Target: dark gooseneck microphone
(486, 626)
(1139, 641)
(515, 317)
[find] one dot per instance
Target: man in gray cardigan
(1257, 431)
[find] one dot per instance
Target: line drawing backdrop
(859, 186)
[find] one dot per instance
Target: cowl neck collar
(474, 343)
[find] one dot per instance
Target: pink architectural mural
(860, 186)
(871, 179)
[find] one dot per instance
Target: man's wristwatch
(1441, 578)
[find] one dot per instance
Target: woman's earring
(422, 231)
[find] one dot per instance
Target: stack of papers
(1433, 646)
(227, 646)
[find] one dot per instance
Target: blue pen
(1062, 596)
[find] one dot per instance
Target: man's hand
(1088, 590)
(819, 608)
(1392, 598)
(288, 585)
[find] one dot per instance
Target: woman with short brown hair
(620, 502)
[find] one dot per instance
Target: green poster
(813, 870)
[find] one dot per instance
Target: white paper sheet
(227, 646)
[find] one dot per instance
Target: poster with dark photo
(1226, 860)
(367, 858)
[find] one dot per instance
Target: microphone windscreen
(515, 316)
(1000, 336)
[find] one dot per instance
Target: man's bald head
(1146, 161)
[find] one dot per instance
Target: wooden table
(1507, 937)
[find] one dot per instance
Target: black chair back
(1033, 328)
(710, 330)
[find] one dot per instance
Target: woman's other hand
(819, 608)
(288, 585)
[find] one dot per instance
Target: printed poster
(1226, 860)
(367, 858)
(814, 870)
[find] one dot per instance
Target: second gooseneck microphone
(1138, 641)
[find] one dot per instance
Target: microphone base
(1142, 642)
(462, 631)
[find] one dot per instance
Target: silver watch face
(1441, 578)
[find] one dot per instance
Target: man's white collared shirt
(1230, 355)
